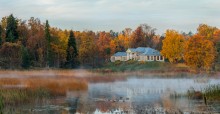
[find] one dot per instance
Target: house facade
(139, 54)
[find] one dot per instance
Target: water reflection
(132, 96)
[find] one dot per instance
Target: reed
(14, 91)
(20, 96)
(212, 92)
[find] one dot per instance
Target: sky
(106, 15)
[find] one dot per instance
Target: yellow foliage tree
(88, 48)
(199, 52)
(113, 46)
(173, 45)
(207, 31)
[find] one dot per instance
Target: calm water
(133, 96)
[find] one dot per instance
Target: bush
(130, 62)
(117, 63)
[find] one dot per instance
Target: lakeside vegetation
(15, 91)
(212, 92)
(132, 65)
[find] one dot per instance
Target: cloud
(183, 15)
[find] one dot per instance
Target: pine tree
(71, 51)
(48, 38)
(11, 29)
(25, 58)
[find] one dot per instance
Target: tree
(23, 32)
(137, 38)
(173, 46)
(71, 51)
(10, 54)
(11, 29)
(199, 52)
(25, 58)
(149, 34)
(206, 31)
(218, 52)
(36, 42)
(0, 35)
(113, 46)
(103, 44)
(48, 38)
(87, 49)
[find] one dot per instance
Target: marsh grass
(1, 104)
(212, 92)
(37, 88)
(19, 96)
(9, 81)
(57, 86)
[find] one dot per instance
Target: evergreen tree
(11, 29)
(25, 58)
(71, 51)
(48, 38)
(0, 35)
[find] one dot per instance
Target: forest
(34, 44)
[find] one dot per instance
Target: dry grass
(57, 86)
(17, 87)
(9, 81)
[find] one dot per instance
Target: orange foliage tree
(103, 44)
(173, 45)
(199, 52)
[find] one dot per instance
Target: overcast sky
(99, 15)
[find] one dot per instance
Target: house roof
(120, 54)
(132, 49)
(150, 51)
(140, 49)
(143, 50)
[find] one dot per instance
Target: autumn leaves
(198, 51)
(173, 45)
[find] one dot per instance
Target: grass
(37, 88)
(19, 96)
(212, 92)
(57, 86)
(133, 65)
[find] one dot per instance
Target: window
(161, 57)
(148, 57)
(152, 58)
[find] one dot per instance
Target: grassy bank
(132, 65)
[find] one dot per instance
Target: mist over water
(116, 94)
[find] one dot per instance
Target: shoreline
(84, 73)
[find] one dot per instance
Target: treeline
(200, 51)
(31, 43)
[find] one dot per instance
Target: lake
(130, 95)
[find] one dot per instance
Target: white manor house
(139, 54)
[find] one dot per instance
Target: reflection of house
(139, 54)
